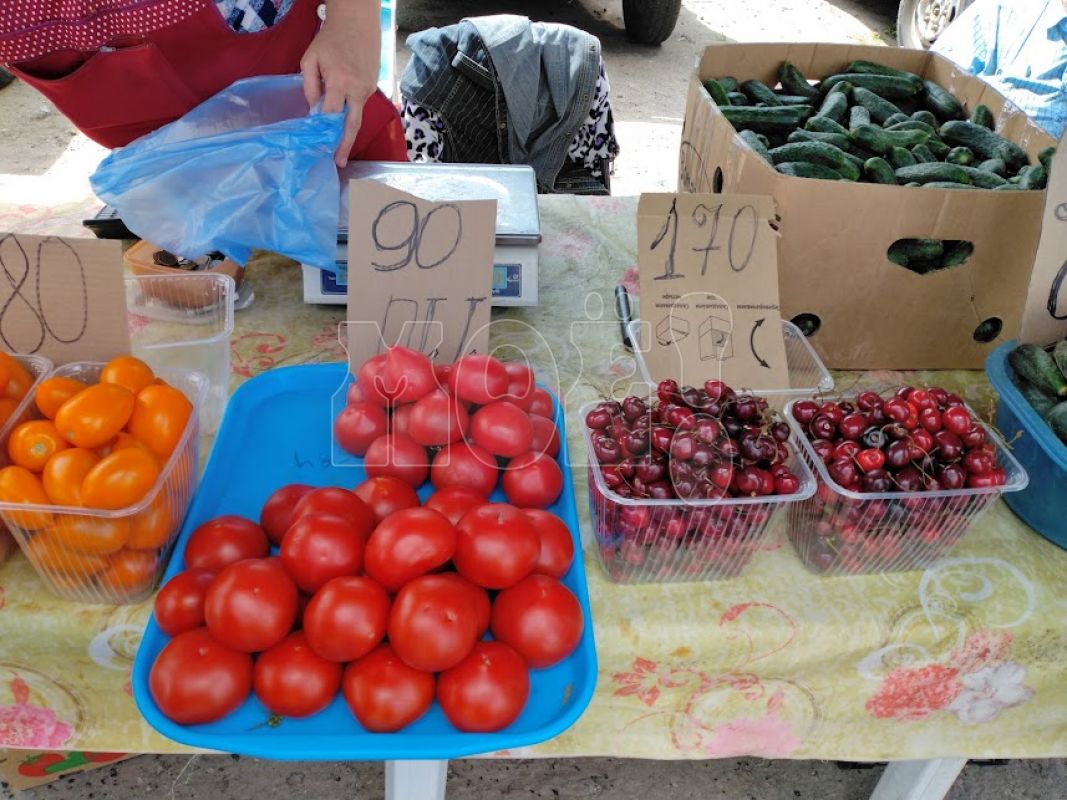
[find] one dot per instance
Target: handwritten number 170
(413, 243)
(741, 244)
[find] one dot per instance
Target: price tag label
(61, 298)
(708, 269)
(419, 273)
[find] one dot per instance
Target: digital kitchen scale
(518, 224)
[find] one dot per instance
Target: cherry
(824, 449)
(833, 411)
(598, 419)
(953, 400)
(717, 390)
(804, 411)
(746, 409)
(909, 479)
(940, 395)
(868, 401)
(678, 416)
(748, 482)
(661, 438)
(728, 448)
(683, 446)
(660, 490)
(878, 480)
(707, 431)
(786, 483)
(780, 432)
(667, 391)
(721, 475)
(703, 456)
(895, 431)
(853, 426)
(823, 427)
(612, 477)
(627, 468)
(952, 476)
(690, 396)
(931, 419)
(978, 462)
(751, 448)
(733, 427)
(649, 470)
(634, 408)
(843, 471)
(921, 399)
(896, 409)
(985, 481)
(847, 449)
(766, 486)
(923, 442)
(904, 392)
(898, 454)
(870, 459)
(975, 437)
(636, 442)
(949, 445)
(957, 419)
(873, 437)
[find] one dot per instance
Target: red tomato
(400, 422)
(399, 455)
(557, 546)
(463, 464)
(196, 679)
(277, 513)
(542, 404)
(408, 544)
(478, 597)
(251, 605)
(371, 381)
(338, 502)
(533, 480)
(384, 693)
(225, 540)
(455, 501)
(319, 547)
(386, 494)
(486, 691)
(291, 680)
(545, 436)
(496, 546)
(408, 374)
(358, 425)
(437, 419)
(180, 603)
(431, 625)
(502, 428)
(540, 618)
(359, 393)
(478, 378)
(346, 618)
(521, 384)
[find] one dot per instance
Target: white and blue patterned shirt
(250, 16)
(1020, 48)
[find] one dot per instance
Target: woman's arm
(342, 62)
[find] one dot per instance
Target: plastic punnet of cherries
(916, 440)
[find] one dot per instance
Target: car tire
(650, 21)
(916, 34)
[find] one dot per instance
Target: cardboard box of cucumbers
(910, 194)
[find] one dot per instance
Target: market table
(964, 660)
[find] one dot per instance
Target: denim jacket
(508, 90)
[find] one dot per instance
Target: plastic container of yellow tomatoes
(99, 479)
(16, 395)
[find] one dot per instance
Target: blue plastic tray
(1043, 504)
(277, 430)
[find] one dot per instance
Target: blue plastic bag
(247, 168)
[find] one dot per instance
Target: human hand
(341, 64)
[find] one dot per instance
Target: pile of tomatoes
(102, 447)
(373, 595)
(15, 382)
(461, 424)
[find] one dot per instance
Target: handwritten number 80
(448, 224)
(23, 303)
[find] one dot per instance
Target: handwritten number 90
(404, 216)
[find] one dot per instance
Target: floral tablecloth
(968, 658)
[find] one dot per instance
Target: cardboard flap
(1045, 318)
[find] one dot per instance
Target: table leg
(918, 780)
(415, 780)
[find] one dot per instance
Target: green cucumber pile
(876, 124)
(1041, 375)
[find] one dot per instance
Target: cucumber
(1044, 158)
(922, 154)
(764, 140)
(1033, 364)
(878, 170)
(941, 102)
(792, 99)
(817, 153)
(1059, 355)
(834, 107)
(938, 148)
(871, 68)
(836, 139)
(1033, 178)
(760, 93)
(914, 185)
(996, 166)
(1038, 400)
(907, 251)
(880, 108)
(981, 178)
(1057, 420)
(767, 120)
(858, 115)
(825, 125)
(805, 169)
(729, 83)
(737, 99)
(896, 118)
(927, 117)
(956, 252)
(960, 155)
(948, 185)
(981, 115)
(844, 87)
(752, 139)
(909, 124)
(881, 141)
(1010, 187)
(928, 173)
(718, 94)
(984, 143)
(901, 157)
(794, 82)
(890, 87)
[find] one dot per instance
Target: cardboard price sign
(1045, 316)
(708, 269)
(62, 298)
(421, 272)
